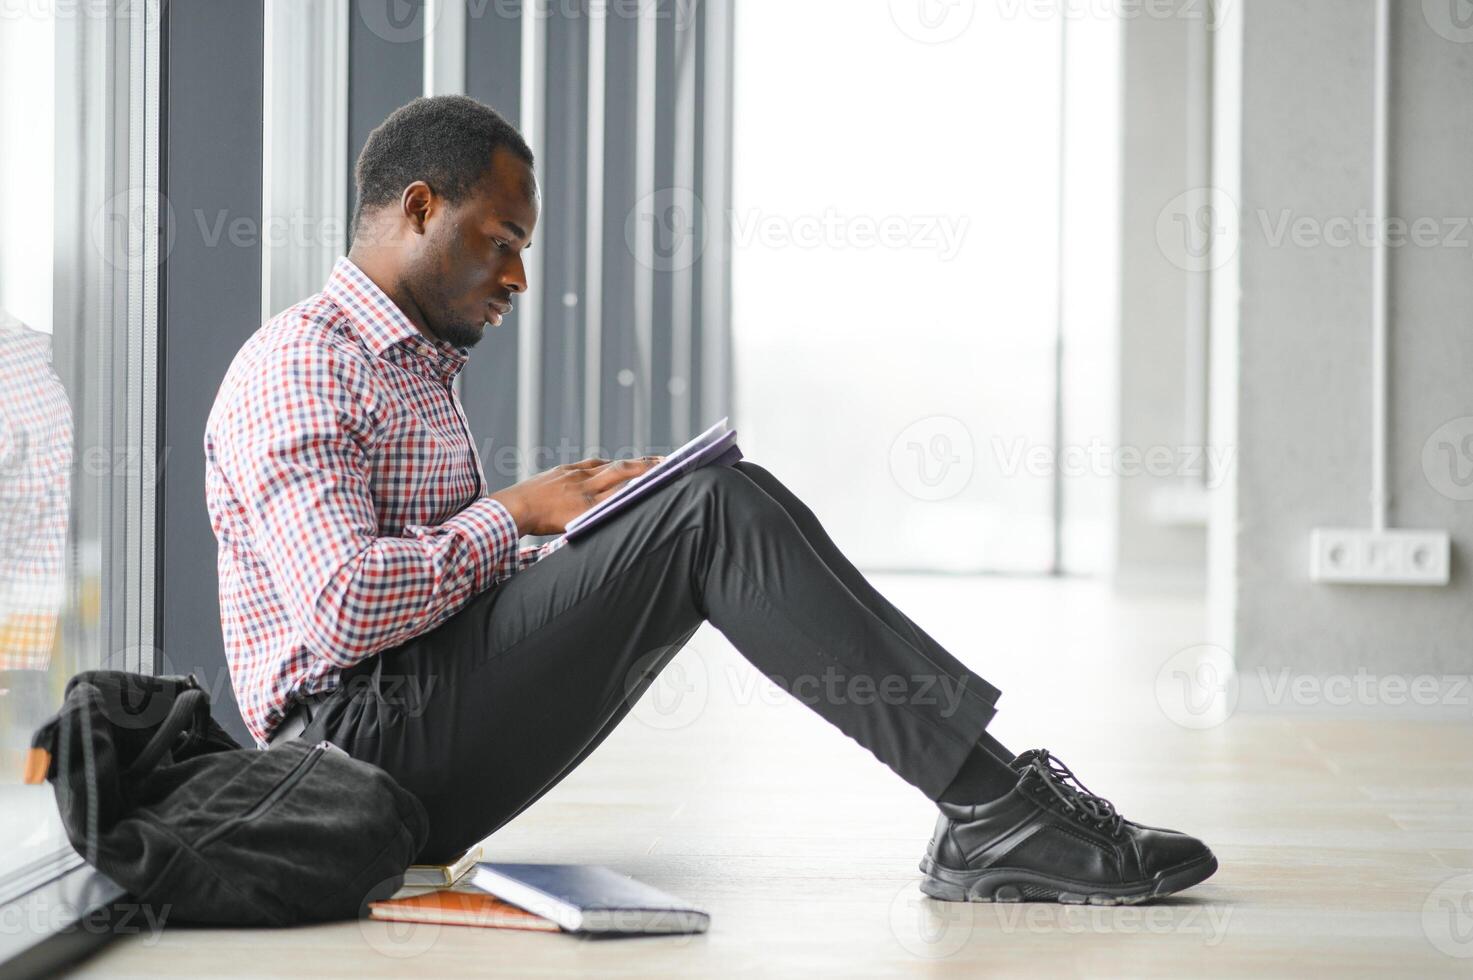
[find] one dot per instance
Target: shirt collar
(381, 324)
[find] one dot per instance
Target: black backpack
(158, 797)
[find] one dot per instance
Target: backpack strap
(182, 716)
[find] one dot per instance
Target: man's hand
(548, 501)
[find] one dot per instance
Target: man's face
(470, 261)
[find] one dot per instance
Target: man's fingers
(595, 461)
(599, 495)
(616, 472)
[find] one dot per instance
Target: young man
(372, 592)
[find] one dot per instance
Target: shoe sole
(1019, 885)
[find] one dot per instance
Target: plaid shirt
(35, 496)
(346, 494)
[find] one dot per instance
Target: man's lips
(498, 310)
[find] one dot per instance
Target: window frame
(109, 294)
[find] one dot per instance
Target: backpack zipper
(278, 791)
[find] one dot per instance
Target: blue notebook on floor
(588, 898)
(714, 447)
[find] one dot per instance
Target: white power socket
(1379, 557)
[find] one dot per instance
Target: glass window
(895, 302)
(78, 238)
(305, 149)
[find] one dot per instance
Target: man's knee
(719, 481)
(713, 479)
(732, 495)
(746, 466)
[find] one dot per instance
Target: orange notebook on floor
(453, 907)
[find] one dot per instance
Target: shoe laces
(1077, 799)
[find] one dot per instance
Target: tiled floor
(1346, 844)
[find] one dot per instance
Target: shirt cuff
(493, 536)
(533, 553)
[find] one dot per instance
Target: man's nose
(514, 277)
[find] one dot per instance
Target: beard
(449, 324)
(458, 331)
(430, 284)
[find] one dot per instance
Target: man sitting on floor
(374, 594)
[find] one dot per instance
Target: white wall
(1300, 404)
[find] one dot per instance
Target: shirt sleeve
(533, 553)
(298, 448)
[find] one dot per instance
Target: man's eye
(499, 244)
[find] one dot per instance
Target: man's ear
(417, 202)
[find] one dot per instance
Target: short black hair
(444, 140)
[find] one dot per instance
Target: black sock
(985, 775)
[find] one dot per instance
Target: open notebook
(714, 447)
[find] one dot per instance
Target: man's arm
(533, 553)
(296, 447)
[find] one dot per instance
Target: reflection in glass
(35, 498)
(74, 359)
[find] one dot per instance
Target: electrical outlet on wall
(1398, 557)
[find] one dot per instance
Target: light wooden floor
(1341, 839)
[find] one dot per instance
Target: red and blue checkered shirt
(346, 494)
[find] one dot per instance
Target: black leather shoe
(1051, 840)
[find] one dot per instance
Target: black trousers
(482, 715)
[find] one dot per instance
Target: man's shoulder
(315, 331)
(311, 342)
(316, 323)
